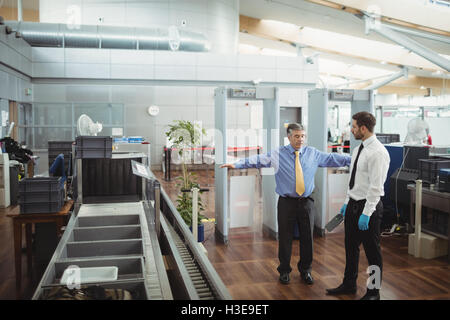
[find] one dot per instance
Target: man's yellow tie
(299, 182)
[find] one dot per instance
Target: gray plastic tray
(103, 248)
(41, 196)
(136, 288)
(106, 233)
(129, 268)
(60, 145)
(41, 207)
(104, 142)
(93, 153)
(40, 184)
(113, 220)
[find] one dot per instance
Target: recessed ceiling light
(383, 62)
(422, 87)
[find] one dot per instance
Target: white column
(19, 10)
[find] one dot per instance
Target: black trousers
(354, 237)
(292, 211)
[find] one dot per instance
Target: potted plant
(184, 135)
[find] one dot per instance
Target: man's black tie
(352, 178)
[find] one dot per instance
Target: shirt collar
(292, 150)
(369, 140)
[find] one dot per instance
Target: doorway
(288, 115)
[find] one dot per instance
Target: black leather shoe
(307, 278)
(284, 278)
(342, 289)
(371, 296)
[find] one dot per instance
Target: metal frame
(393, 77)
(361, 100)
(372, 24)
(271, 123)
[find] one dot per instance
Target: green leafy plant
(185, 135)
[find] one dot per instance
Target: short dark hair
(366, 119)
(294, 127)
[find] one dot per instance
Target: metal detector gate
(271, 120)
(318, 99)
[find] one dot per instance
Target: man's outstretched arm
(256, 161)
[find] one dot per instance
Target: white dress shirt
(371, 173)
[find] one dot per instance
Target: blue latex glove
(343, 209)
(363, 223)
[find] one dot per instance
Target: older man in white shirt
(363, 208)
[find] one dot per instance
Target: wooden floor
(247, 265)
(7, 273)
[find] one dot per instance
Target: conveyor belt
(198, 279)
(191, 274)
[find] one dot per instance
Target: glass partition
(439, 121)
(43, 135)
(339, 118)
(43, 122)
(395, 120)
(4, 116)
(52, 114)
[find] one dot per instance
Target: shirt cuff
(239, 164)
(368, 210)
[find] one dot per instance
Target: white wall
(15, 67)
(167, 65)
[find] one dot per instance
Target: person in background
(346, 138)
(429, 141)
(295, 166)
(363, 208)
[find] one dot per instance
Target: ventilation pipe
(109, 37)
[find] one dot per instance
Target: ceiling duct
(109, 37)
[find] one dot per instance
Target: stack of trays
(93, 147)
(107, 251)
(41, 195)
(429, 169)
(57, 147)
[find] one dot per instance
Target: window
(4, 116)
(396, 119)
(43, 122)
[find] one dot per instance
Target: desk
(28, 219)
(432, 199)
